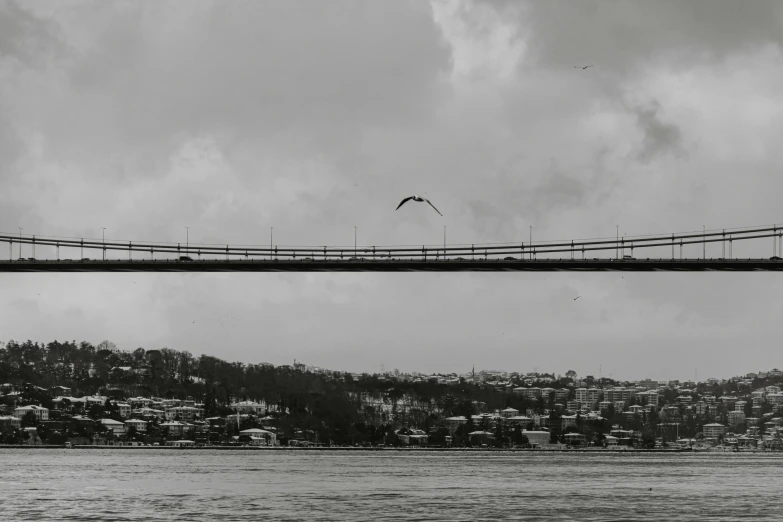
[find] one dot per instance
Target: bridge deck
(396, 265)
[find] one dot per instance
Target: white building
(140, 425)
(124, 408)
(40, 412)
(713, 431)
(736, 418)
(587, 395)
(117, 427)
(249, 407)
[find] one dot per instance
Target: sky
(229, 118)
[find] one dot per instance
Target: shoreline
(395, 450)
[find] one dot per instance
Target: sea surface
(164, 484)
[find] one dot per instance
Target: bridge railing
(575, 248)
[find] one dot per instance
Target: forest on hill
(330, 402)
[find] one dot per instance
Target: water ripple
(345, 486)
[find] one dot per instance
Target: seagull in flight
(577, 297)
(580, 67)
(417, 198)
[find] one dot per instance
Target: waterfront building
(175, 429)
(452, 423)
(181, 443)
(261, 437)
(713, 431)
(140, 425)
(117, 427)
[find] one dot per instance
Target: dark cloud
(619, 35)
(660, 137)
(25, 39)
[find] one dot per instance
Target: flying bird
(580, 67)
(417, 198)
(577, 297)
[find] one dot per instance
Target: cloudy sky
(312, 118)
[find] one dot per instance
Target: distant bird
(580, 67)
(577, 297)
(417, 198)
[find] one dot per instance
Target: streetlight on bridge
(270, 242)
(187, 240)
(103, 240)
(444, 241)
(20, 242)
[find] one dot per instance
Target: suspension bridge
(603, 254)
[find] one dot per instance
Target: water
(74, 484)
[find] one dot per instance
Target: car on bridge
(509, 258)
(85, 259)
(775, 258)
(185, 258)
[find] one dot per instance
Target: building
(186, 413)
(259, 437)
(412, 437)
(567, 421)
(620, 394)
(509, 412)
(588, 395)
(521, 420)
(648, 398)
(529, 393)
(452, 423)
(175, 429)
(562, 394)
(575, 439)
(138, 424)
(714, 431)
(40, 412)
(124, 408)
(117, 427)
(249, 407)
(181, 443)
(648, 384)
(736, 418)
(7, 423)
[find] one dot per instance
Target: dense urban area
(81, 394)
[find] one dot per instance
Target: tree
(29, 420)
